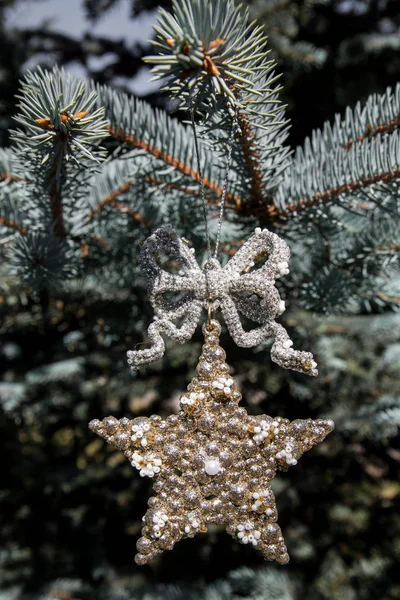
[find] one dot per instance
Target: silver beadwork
(236, 288)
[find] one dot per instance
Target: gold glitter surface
(212, 463)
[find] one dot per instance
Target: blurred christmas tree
(91, 172)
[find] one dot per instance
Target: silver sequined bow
(238, 287)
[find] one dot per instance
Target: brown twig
(173, 186)
(57, 209)
(131, 140)
(13, 225)
(326, 195)
(136, 216)
(370, 133)
(110, 198)
(388, 298)
(9, 177)
(390, 248)
(252, 160)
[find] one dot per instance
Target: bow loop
(239, 287)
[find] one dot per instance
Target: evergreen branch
(326, 195)
(173, 186)
(136, 216)
(379, 115)
(59, 120)
(379, 130)
(7, 166)
(9, 177)
(131, 140)
(209, 49)
(43, 260)
(13, 225)
(216, 36)
(391, 250)
(10, 215)
(314, 178)
(387, 298)
(252, 160)
(110, 198)
(56, 205)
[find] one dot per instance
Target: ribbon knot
(245, 285)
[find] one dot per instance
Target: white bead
(212, 466)
(282, 266)
(257, 230)
(287, 343)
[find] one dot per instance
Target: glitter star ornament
(212, 463)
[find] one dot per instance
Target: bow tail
(137, 358)
(281, 351)
(190, 313)
(284, 356)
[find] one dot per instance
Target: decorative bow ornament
(238, 287)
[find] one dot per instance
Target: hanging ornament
(239, 287)
(213, 463)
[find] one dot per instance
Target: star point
(212, 463)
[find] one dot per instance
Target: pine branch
(295, 208)
(136, 216)
(131, 140)
(380, 114)
(252, 161)
(316, 176)
(207, 51)
(111, 198)
(216, 60)
(56, 205)
(10, 224)
(378, 130)
(389, 299)
(9, 177)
